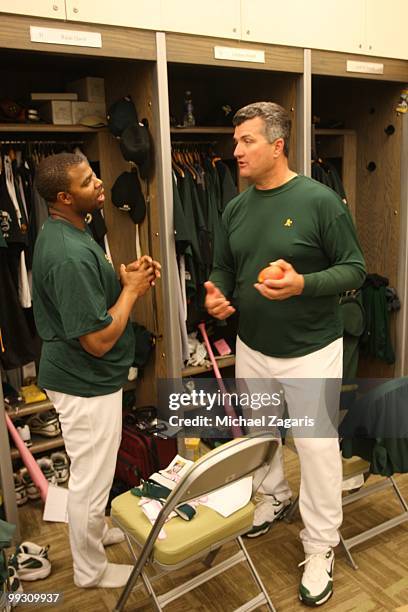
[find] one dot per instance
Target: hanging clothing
(376, 428)
(202, 186)
(376, 340)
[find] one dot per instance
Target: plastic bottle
(189, 119)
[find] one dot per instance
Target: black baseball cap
(135, 147)
(121, 114)
(127, 196)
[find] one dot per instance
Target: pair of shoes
(266, 513)
(45, 424)
(31, 561)
(316, 586)
(23, 481)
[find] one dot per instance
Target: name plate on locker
(55, 36)
(365, 67)
(239, 55)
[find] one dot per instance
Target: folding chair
(356, 466)
(379, 414)
(203, 536)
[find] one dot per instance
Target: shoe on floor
(30, 548)
(20, 490)
(316, 586)
(14, 582)
(267, 511)
(31, 567)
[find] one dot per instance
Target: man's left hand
(281, 289)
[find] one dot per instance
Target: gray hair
(52, 174)
(277, 121)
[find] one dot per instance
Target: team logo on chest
(288, 222)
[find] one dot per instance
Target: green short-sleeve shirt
(74, 285)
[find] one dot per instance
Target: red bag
(142, 454)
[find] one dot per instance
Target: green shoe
(316, 586)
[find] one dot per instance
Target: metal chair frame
(226, 464)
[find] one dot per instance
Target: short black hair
(276, 118)
(51, 175)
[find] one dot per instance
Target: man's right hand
(137, 281)
(216, 303)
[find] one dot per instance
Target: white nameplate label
(57, 36)
(239, 55)
(365, 67)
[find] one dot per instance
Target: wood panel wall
(368, 107)
(136, 79)
(212, 87)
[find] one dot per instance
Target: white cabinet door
(387, 28)
(130, 13)
(40, 8)
(335, 25)
(206, 17)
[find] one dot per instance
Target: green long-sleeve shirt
(308, 225)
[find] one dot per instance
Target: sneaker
(15, 585)
(20, 489)
(267, 511)
(30, 548)
(45, 424)
(31, 567)
(61, 466)
(316, 586)
(31, 489)
(24, 433)
(48, 470)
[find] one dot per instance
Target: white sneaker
(20, 490)
(61, 466)
(31, 567)
(45, 424)
(30, 548)
(316, 586)
(25, 434)
(31, 489)
(47, 469)
(267, 511)
(14, 582)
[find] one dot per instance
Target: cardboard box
(89, 89)
(53, 96)
(84, 109)
(58, 112)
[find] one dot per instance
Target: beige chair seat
(184, 538)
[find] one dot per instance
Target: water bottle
(189, 119)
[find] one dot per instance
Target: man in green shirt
(290, 329)
(82, 315)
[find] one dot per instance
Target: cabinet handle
(370, 47)
(55, 7)
(75, 9)
(234, 29)
(248, 31)
(360, 46)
